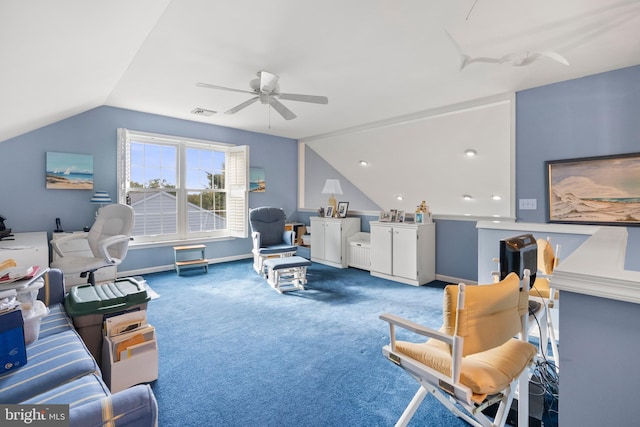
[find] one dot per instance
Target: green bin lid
(105, 298)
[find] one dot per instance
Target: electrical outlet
(528, 204)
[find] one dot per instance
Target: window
(181, 188)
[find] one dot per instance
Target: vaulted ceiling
(374, 60)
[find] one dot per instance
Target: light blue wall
(29, 206)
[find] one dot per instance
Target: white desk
(27, 249)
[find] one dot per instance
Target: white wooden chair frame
(448, 389)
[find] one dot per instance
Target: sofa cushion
(51, 362)
(56, 321)
(77, 392)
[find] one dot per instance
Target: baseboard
(170, 267)
(455, 280)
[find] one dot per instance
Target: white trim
(538, 227)
(169, 267)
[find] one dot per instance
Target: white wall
(421, 157)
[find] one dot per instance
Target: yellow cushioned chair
(542, 289)
(473, 360)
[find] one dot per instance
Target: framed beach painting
(257, 181)
(68, 171)
(595, 190)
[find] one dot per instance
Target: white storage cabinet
(403, 252)
(329, 239)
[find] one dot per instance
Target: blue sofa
(60, 370)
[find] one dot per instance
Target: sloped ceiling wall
(422, 157)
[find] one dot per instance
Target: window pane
(205, 211)
(205, 169)
(155, 212)
(153, 166)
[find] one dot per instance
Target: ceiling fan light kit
(267, 89)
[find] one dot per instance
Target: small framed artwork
(420, 218)
(385, 216)
(394, 214)
(69, 171)
(328, 212)
(343, 207)
(409, 218)
(400, 216)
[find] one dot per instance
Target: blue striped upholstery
(77, 392)
(56, 321)
(135, 406)
(51, 361)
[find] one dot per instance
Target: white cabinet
(27, 249)
(329, 239)
(403, 252)
(80, 247)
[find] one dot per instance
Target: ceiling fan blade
(208, 86)
(280, 108)
(268, 81)
(304, 98)
(245, 104)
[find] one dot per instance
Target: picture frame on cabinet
(343, 208)
(385, 216)
(400, 216)
(328, 212)
(394, 215)
(419, 218)
(409, 218)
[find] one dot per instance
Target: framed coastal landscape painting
(595, 190)
(257, 181)
(69, 171)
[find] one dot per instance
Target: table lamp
(100, 198)
(332, 186)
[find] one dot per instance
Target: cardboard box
(13, 353)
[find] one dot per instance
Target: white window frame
(236, 183)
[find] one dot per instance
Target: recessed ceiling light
(470, 152)
(467, 197)
(496, 197)
(399, 197)
(364, 163)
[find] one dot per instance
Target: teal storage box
(89, 305)
(13, 353)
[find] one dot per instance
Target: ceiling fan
(267, 90)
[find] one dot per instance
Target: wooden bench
(287, 273)
(182, 262)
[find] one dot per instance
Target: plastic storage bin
(360, 250)
(33, 320)
(89, 305)
(28, 296)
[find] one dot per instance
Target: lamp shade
(332, 186)
(101, 197)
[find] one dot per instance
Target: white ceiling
(374, 60)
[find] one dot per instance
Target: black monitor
(517, 254)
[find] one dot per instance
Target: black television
(517, 254)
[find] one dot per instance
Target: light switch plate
(528, 204)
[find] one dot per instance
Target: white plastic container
(27, 297)
(32, 321)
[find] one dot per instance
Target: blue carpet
(234, 352)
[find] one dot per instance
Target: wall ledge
(596, 268)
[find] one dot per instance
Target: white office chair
(108, 240)
(473, 361)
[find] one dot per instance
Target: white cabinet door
(405, 252)
(380, 252)
(333, 241)
(317, 238)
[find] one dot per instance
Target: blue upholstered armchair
(270, 239)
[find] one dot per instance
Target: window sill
(145, 245)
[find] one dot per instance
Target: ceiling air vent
(202, 112)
